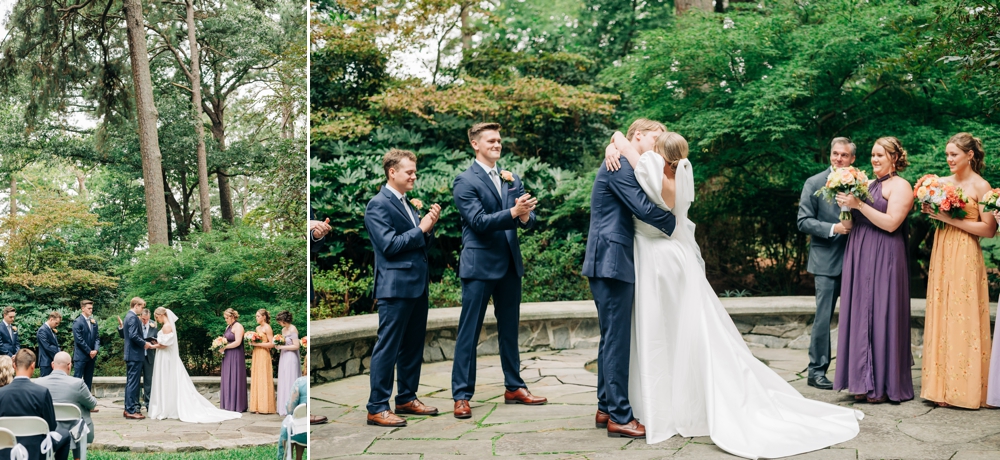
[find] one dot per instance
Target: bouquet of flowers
(278, 339)
(219, 344)
(251, 338)
(991, 200)
(942, 196)
(849, 180)
(304, 341)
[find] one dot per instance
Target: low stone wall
(114, 387)
(342, 347)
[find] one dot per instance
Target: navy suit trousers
(133, 371)
(506, 293)
(402, 328)
(85, 370)
(614, 300)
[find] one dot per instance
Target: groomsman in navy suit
(9, 343)
(401, 239)
(48, 343)
(610, 267)
(493, 205)
(86, 343)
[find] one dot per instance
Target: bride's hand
(612, 158)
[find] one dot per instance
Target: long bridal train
(173, 394)
(691, 373)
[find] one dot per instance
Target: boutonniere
(417, 203)
(507, 176)
(93, 321)
(13, 328)
(55, 331)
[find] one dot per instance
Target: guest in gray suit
(148, 330)
(821, 220)
(69, 390)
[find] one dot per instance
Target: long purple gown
(233, 389)
(993, 385)
(288, 371)
(873, 350)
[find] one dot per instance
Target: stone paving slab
(115, 433)
(564, 430)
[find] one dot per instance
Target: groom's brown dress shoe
(416, 407)
(601, 419)
(523, 396)
(385, 418)
(462, 409)
(632, 429)
(136, 416)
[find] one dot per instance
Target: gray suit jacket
(70, 390)
(816, 217)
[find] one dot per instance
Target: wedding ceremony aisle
(564, 429)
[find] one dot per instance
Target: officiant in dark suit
(86, 343)
(48, 343)
(148, 331)
(493, 206)
(400, 238)
(9, 342)
(827, 239)
(23, 398)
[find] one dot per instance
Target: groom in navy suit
(493, 205)
(401, 239)
(135, 347)
(610, 266)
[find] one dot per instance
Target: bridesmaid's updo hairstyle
(231, 313)
(672, 147)
(967, 142)
(284, 317)
(266, 314)
(894, 149)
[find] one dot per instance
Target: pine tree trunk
(149, 145)
(13, 197)
(199, 128)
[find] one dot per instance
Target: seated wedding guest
(873, 350)
(299, 395)
(6, 370)
(70, 390)
(22, 398)
(9, 343)
(48, 343)
(956, 364)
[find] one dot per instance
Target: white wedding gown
(173, 394)
(691, 373)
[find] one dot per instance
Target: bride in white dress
(173, 394)
(691, 373)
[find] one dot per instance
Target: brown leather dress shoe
(385, 418)
(462, 409)
(601, 419)
(632, 429)
(135, 416)
(416, 407)
(523, 396)
(317, 420)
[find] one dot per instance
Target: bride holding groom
(676, 362)
(173, 394)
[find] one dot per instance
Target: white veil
(684, 231)
(172, 320)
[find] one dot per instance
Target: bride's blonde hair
(672, 147)
(159, 311)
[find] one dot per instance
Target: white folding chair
(25, 426)
(70, 417)
(300, 424)
(7, 439)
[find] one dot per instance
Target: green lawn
(254, 453)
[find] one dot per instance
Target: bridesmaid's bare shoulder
(898, 183)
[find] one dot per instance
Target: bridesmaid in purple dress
(288, 362)
(233, 391)
(873, 351)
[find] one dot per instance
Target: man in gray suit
(148, 330)
(69, 390)
(828, 237)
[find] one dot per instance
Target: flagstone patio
(564, 429)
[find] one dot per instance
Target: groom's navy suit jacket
(135, 342)
(401, 270)
(617, 197)
(489, 233)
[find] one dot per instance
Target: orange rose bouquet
(991, 200)
(942, 196)
(849, 180)
(219, 344)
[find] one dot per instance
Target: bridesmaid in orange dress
(957, 327)
(262, 399)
